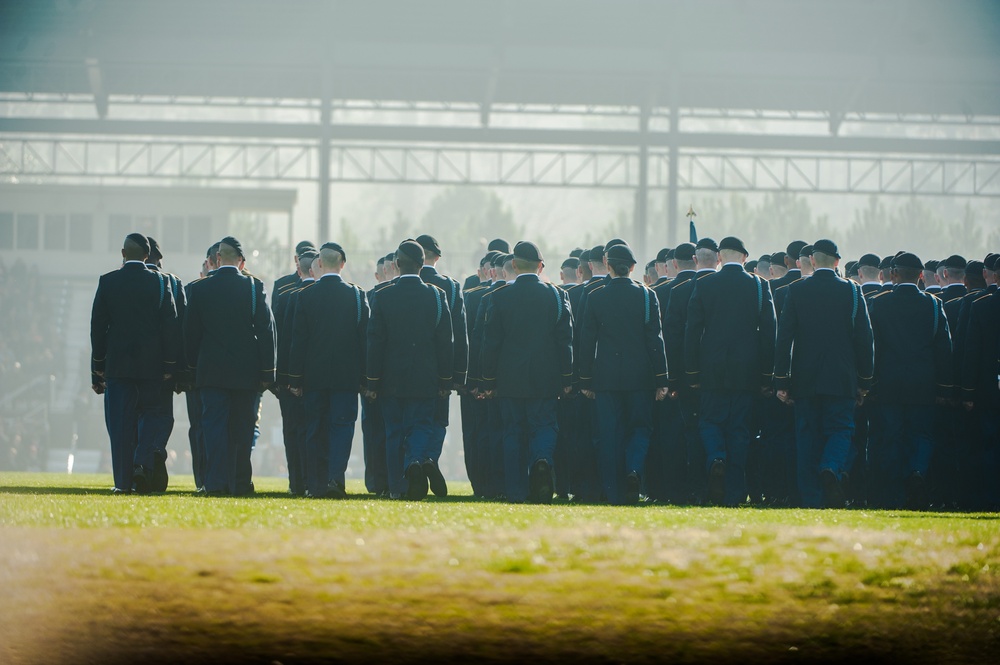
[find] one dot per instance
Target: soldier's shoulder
(476, 289)
(493, 291)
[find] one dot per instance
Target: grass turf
(88, 577)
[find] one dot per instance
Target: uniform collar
(135, 262)
(332, 274)
(900, 287)
(527, 277)
(221, 268)
(402, 277)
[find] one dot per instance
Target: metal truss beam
(270, 131)
(46, 158)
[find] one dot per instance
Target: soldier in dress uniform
(826, 319)
(290, 408)
(981, 392)
(372, 421)
(460, 346)
(623, 368)
(293, 421)
(473, 409)
(527, 365)
(196, 436)
(694, 262)
(763, 268)
(778, 270)
(326, 369)
(294, 276)
(490, 436)
(409, 366)
(566, 409)
(163, 420)
(913, 370)
(229, 342)
(587, 487)
(729, 358)
(134, 340)
(868, 274)
(929, 277)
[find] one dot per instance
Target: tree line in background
(465, 218)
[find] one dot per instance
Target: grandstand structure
(847, 97)
(900, 97)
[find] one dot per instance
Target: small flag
(691, 214)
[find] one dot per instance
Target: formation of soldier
(785, 381)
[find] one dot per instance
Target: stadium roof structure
(673, 75)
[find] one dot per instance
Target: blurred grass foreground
(89, 577)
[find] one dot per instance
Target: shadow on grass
(25, 489)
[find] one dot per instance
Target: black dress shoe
(540, 482)
(119, 492)
(435, 478)
(417, 483)
(140, 481)
(632, 487)
(158, 478)
(717, 483)
(833, 491)
(335, 490)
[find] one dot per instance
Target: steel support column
(323, 181)
(673, 167)
(640, 229)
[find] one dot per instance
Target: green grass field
(88, 577)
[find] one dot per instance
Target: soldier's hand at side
(167, 377)
(296, 392)
(589, 394)
(674, 394)
(567, 390)
(861, 396)
(785, 399)
(444, 393)
(766, 391)
(968, 405)
(487, 394)
(98, 387)
(370, 395)
(661, 394)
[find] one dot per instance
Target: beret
(851, 268)
(585, 256)
(684, 252)
(571, 262)
(885, 263)
(235, 244)
(670, 255)
(527, 251)
(303, 246)
(621, 253)
(827, 247)
(778, 258)
(869, 261)
(499, 244)
(735, 244)
(707, 243)
(140, 240)
(498, 259)
(992, 261)
(596, 253)
(488, 259)
(577, 251)
(766, 258)
(429, 244)
(795, 248)
(613, 242)
(662, 255)
(932, 265)
(154, 248)
(750, 266)
(807, 250)
(907, 260)
(954, 262)
(335, 247)
(411, 249)
(974, 267)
